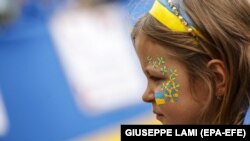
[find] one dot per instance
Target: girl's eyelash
(155, 78)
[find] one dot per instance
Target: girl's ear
(218, 67)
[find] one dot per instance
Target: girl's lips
(157, 113)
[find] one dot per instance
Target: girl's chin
(162, 119)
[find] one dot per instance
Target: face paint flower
(163, 70)
(149, 59)
(172, 73)
(155, 64)
(161, 61)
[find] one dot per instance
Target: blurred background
(68, 70)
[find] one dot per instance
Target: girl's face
(168, 87)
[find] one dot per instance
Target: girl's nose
(148, 96)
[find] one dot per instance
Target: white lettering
(128, 132)
(144, 132)
(212, 132)
(232, 132)
(188, 132)
(148, 132)
(206, 132)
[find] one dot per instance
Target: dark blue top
(247, 117)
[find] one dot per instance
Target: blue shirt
(247, 117)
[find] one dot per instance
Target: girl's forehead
(146, 47)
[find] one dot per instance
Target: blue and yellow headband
(172, 15)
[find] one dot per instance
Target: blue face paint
(159, 98)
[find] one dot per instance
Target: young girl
(195, 55)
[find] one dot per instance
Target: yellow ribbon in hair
(170, 20)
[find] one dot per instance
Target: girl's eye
(155, 78)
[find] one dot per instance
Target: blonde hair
(225, 25)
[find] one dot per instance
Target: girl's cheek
(169, 89)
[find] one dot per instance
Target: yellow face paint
(169, 88)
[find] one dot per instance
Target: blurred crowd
(67, 68)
